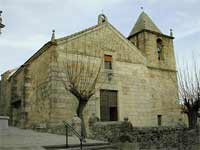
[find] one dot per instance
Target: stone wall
(37, 90)
(147, 138)
(146, 43)
(141, 90)
(17, 98)
(5, 94)
(31, 89)
(1, 112)
(162, 77)
(164, 92)
(126, 62)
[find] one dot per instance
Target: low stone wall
(137, 138)
(56, 129)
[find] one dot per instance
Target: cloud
(188, 24)
(152, 1)
(29, 22)
(182, 14)
(188, 32)
(20, 44)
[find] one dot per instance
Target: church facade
(138, 78)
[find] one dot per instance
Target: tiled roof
(144, 22)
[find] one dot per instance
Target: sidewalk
(20, 139)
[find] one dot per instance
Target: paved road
(20, 139)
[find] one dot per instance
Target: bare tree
(189, 90)
(82, 67)
(82, 73)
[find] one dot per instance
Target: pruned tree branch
(189, 91)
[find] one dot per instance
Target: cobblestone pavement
(20, 139)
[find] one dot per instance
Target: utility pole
(1, 25)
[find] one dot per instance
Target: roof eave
(33, 57)
(154, 32)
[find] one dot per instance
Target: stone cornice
(157, 33)
(161, 69)
(33, 57)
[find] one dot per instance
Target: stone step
(101, 146)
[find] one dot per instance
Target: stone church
(139, 74)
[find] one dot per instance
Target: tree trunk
(79, 111)
(192, 118)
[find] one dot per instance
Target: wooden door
(108, 105)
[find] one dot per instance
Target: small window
(107, 61)
(160, 49)
(159, 120)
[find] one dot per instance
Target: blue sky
(29, 23)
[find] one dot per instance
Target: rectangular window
(108, 105)
(159, 120)
(107, 61)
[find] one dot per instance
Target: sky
(29, 23)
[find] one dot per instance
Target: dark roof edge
(33, 57)
(162, 69)
(154, 32)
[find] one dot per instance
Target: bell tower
(156, 46)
